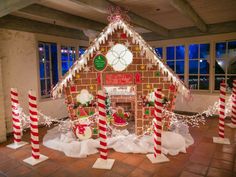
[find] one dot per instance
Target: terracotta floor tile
(75, 167)
(122, 168)
(215, 172)
(201, 159)
(46, 168)
(196, 168)
(139, 173)
(189, 174)
(148, 166)
(226, 165)
(133, 160)
(8, 165)
(112, 174)
(19, 171)
(224, 156)
(62, 173)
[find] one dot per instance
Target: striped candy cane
(15, 116)
(233, 111)
(157, 122)
(222, 110)
(102, 124)
(34, 125)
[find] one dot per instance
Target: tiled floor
(202, 159)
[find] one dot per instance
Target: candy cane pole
(221, 132)
(16, 121)
(233, 110)
(157, 157)
(34, 132)
(221, 129)
(103, 162)
(157, 122)
(36, 157)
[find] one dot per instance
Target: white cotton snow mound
(172, 143)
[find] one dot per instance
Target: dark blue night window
(220, 66)
(81, 50)
(204, 83)
(204, 50)
(218, 80)
(171, 64)
(170, 53)
(193, 82)
(48, 67)
(193, 66)
(193, 51)
(204, 67)
(180, 67)
(220, 49)
(180, 50)
(159, 51)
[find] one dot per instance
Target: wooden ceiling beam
(103, 5)
(217, 28)
(62, 17)
(9, 6)
(186, 9)
(23, 24)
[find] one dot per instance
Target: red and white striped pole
(222, 110)
(157, 122)
(103, 162)
(157, 157)
(102, 124)
(36, 157)
(16, 121)
(233, 110)
(15, 116)
(34, 132)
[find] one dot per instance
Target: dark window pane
(220, 49)
(65, 67)
(47, 70)
(230, 81)
(64, 53)
(54, 63)
(204, 67)
(193, 82)
(220, 66)
(231, 46)
(42, 86)
(232, 66)
(47, 52)
(180, 52)
(170, 53)
(48, 87)
(218, 80)
(204, 83)
(171, 64)
(204, 50)
(81, 50)
(193, 51)
(159, 51)
(193, 66)
(41, 68)
(180, 67)
(71, 53)
(181, 77)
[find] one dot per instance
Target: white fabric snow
(172, 142)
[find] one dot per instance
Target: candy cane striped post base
(157, 157)
(36, 157)
(17, 145)
(103, 162)
(221, 130)
(17, 132)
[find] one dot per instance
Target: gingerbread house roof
(120, 24)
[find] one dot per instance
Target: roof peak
(116, 14)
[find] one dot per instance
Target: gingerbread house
(120, 62)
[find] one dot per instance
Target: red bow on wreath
(81, 128)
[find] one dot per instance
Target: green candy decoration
(157, 73)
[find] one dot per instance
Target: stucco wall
(20, 70)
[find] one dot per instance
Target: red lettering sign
(119, 79)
